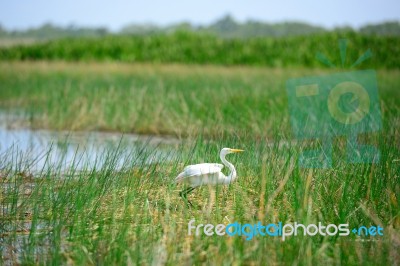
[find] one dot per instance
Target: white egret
(207, 174)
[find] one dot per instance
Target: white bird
(207, 173)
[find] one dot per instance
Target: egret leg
(184, 194)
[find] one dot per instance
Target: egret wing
(199, 170)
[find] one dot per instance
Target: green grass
(135, 216)
(162, 99)
(193, 48)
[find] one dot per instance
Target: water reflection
(41, 150)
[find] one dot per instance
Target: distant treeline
(194, 48)
(225, 27)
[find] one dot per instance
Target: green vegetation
(135, 216)
(225, 27)
(160, 99)
(190, 48)
(146, 99)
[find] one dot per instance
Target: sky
(23, 14)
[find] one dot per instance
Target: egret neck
(232, 175)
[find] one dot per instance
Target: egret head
(226, 151)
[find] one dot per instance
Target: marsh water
(33, 153)
(40, 150)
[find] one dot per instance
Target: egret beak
(236, 150)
